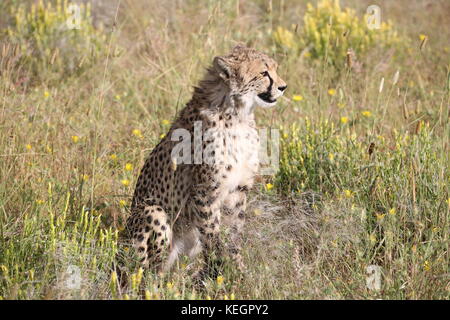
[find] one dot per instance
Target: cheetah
(179, 206)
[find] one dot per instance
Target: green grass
(364, 173)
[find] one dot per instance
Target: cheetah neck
(214, 96)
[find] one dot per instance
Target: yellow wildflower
(39, 201)
(422, 37)
(284, 37)
(113, 156)
(75, 139)
(28, 146)
(122, 203)
(269, 186)
(332, 92)
(392, 211)
(118, 97)
(344, 120)
(85, 177)
(165, 122)
(113, 277)
(297, 97)
(348, 193)
(162, 135)
(125, 182)
(148, 295)
(169, 285)
(220, 280)
(128, 167)
(232, 296)
(46, 94)
(367, 114)
(331, 157)
(380, 216)
(137, 133)
(427, 265)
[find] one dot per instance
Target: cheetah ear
(223, 67)
(240, 46)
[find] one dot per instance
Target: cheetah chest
(240, 163)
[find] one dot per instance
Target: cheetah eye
(265, 74)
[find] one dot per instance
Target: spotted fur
(180, 208)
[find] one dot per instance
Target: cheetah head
(251, 76)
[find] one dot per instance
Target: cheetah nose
(282, 88)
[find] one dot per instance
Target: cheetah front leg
(234, 217)
(207, 216)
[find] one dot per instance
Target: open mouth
(266, 97)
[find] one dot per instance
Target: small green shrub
(332, 159)
(408, 174)
(36, 255)
(328, 32)
(55, 40)
(399, 186)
